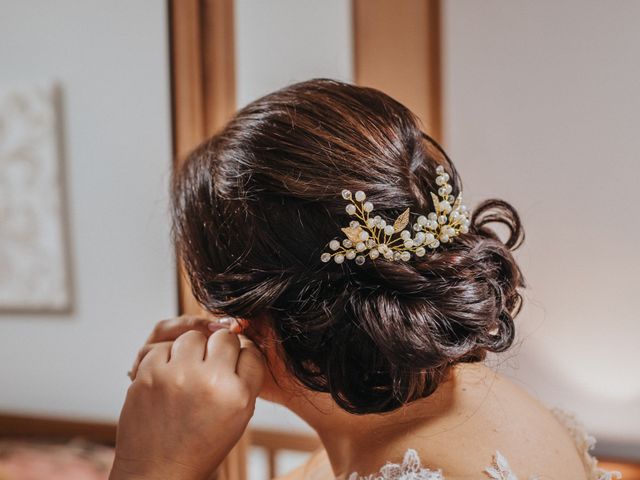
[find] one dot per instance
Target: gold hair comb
(373, 237)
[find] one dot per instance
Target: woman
(364, 294)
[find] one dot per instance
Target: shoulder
(501, 416)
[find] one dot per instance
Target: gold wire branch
(373, 237)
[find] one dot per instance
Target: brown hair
(256, 204)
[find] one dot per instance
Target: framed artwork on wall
(34, 258)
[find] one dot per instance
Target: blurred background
(536, 101)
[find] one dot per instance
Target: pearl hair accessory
(373, 237)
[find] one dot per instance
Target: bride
(329, 234)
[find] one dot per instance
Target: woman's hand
(188, 405)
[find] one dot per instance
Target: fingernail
(224, 322)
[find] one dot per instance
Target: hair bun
(254, 206)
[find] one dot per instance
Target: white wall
(541, 103)
(277, 43)
(284, 41)
(110, 58)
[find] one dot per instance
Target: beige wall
(542, 108)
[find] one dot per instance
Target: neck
(351, 441)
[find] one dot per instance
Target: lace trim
(584, 443)
(411, 468)
(500, 469)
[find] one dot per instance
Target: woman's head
(255, 206)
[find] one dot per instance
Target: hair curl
(255, 205)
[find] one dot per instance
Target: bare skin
(457, 429)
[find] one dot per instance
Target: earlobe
(238, 325)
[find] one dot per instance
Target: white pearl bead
(442, 219)
(429, 238)
(325, 257)
(354, 224)
(346, 243)
(338, 258)
(454, 215)
(371, 243)
(439, 180)
(434, 244)
(396, 256)
(368, 206)
(445, 176)
(382, 223)
(420, 252)
(445, 206)
(439, 169)
(448, 188)
(377, 218)
(351, 254)
(408, 243)
(405, 256)
(420, 236)
(351, 209)
(360, 246)
(334, 244)
(464, 229)
(433, 216)
(388, 230)
(346, 194)
(371, 222)
(404, 234)
(382, 248)
(373, 254)
(444, 238)
(417, 227)
(364, 235)
(388, 255)
(360, 196)
(422, 220)
(359, 259)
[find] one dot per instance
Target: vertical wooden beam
(187, 76)
(219, 64)
(397, 50)
(203, 94)
(203, 84)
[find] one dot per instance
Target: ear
(238, 325)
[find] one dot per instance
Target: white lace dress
(411, 468)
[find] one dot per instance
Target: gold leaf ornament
(401, 221)
(352, 234)
(436, 203)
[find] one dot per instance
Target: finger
(141, 354)
(190, 346)
(157, 356)
(168, 330)
(223, 348)
(251, 365)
